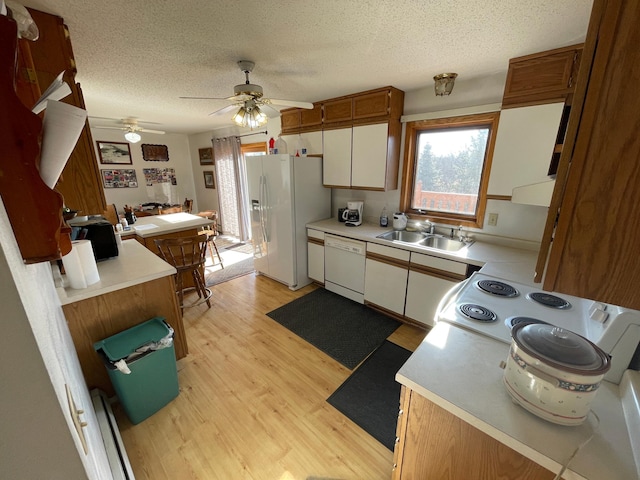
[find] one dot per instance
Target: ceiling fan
(249, 101)
(131, 128)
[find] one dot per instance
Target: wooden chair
(187, 255)
(187, 206)
(111, 214)
(211, 232)
(165, 211)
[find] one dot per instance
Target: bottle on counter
(271, 146)
(384, 218)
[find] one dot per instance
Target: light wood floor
(252, 401)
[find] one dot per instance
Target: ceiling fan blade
(206, 98)
(287, 103)
(269, 111)
(146, 130)
(110, 128)
(226, 109)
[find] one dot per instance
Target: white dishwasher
(344, 261)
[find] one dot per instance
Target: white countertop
(459, 371)
(161, 224)
(134, 264)
(510, 263)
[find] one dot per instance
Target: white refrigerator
(285, 193)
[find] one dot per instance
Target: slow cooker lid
(560, 346)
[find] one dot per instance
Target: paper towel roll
(80, 265)
(73, 269)
(61, 129)
(88, 261)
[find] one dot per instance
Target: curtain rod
(254, 133)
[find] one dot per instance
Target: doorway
(232, 184)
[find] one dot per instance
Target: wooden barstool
(211, 232)
(187, 255)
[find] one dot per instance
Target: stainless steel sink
(418, 239)
(443, 243)
(403, 236)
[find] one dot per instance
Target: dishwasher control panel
(345, 244)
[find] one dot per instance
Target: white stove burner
(615, 330)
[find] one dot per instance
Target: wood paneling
(434, 444)
(97, 318)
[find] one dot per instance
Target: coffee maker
(353, 214)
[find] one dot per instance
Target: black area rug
(370, 397)
(345, 330)
(234, 245)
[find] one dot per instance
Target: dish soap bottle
(384, 219)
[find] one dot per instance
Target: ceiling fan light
(133, 137)
(240, 117)
(260, 117)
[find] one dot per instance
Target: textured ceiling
(136, 57)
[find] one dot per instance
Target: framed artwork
(206, 156)
(209, 181)
(114, 153)
(121, 178)
(155, 153)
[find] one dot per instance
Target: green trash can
(145, 351)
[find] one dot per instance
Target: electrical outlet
(493, 219)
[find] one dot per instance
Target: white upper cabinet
(524, 146)
(359, 157)
(369, 156)
(336, 157)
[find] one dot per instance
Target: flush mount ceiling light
(132, 136)
(444, 83)
(249, 115)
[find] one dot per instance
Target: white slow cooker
(554, 373)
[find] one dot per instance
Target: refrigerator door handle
(262, 207)
(267, 208)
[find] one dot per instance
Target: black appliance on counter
(102, 236)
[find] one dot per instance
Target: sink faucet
(428, 227)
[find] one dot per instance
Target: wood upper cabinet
(340, 110)
(52, 53)
(595, 246)
(300, 120)
(372, 106)
(544, 77)
(432, 443)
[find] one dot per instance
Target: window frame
(412, 130)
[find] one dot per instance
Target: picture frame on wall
(155, 153)
(114, 153)
(209, 179)
(206, 156)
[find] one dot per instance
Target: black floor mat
(345, 330)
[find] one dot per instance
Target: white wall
(179, 159)
(37, 360)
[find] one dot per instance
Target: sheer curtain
(233, 195)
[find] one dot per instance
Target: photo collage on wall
(159, 175)
(120, 178)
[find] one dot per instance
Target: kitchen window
(446, 168)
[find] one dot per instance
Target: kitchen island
(173, 225)
(453, 393)
(134, 287)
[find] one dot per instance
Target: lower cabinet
(429, 279)
(433, 443)
(385, 280)
(315, 255)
